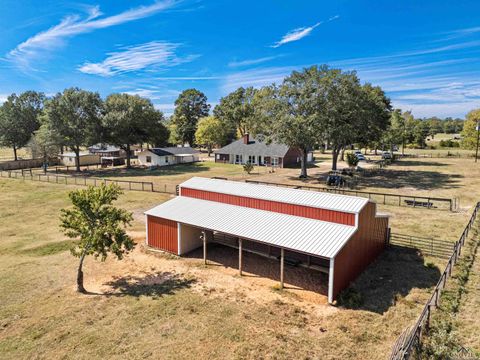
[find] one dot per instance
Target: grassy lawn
(152, 305)
(7, 154)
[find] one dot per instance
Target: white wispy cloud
(257, 77)
(299, 33)
(37, 46)
(250, 62)
(152, 55)
(154, 94)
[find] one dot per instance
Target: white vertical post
(179, 239)
(146, 229)
(240, 256)
(282, 258)
(204, 238)
(330, 281)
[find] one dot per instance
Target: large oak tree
(190, 106)
(19, 119)
(75, 115)
(131, 119)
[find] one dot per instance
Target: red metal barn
(337, 234)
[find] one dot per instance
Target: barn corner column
(330, 281)
(146, 229)
(179, 238)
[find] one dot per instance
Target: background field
(152, 305)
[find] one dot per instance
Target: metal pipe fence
(405, 345)
(428, 246)
(423, 202)
(88, 181)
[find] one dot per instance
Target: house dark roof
(254, 147)
(173, 151)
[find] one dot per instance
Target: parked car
(335, 178)
(360, 157)
(358, 152)
(387, 155)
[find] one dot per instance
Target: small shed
(85, 158)
(338, 235)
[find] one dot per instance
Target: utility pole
(478, 138)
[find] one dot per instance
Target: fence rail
(425, 202)
(87, 181)
(428, 246)
(438, 155)
(408, 341)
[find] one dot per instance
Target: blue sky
(425, 54)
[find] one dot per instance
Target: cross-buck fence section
(422, 202)
(88, 181)
(405, 345)
(428, 246)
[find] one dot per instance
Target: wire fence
(423, 202)
(427, 246)
(88, 181)
(437, 155)
(406, 344)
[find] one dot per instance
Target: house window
(166, 159)
(274, 161)
(238, 159)
(149, 159)
(252, 159)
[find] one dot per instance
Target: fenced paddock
(423, 202)
(406, 344)
(427, 246)
(88, 181)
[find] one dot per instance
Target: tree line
(316, 107)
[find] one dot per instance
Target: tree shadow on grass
(419, 180)
(394, 274)
(420, 163)
(171, 170)
(153, 285)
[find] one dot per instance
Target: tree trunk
(303, 163)
(376, 151)
(334, 157)
(77, 158)
(403, 145)
(15, 152)
(128, 156)
(80, 287)
(209, 149)
(342, 154)
(365, 150)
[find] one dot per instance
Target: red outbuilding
(339, 235)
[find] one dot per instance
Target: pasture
(151, 305)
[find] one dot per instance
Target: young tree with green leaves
(210, 132)
(97, 225)
(75, 116)
(44, 144)
(190, 106)
(19, 119)
(131, 119)
(470, 133)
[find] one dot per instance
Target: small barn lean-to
(337, 234)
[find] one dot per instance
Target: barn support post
(204, 238)
(282, 266)
(240, 256)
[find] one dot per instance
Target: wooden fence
(406, 344)
(88, 181)
(24, 164)
(424, 202)
(437, 155)
(428, 246)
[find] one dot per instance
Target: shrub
(350, 298)
(248, 167)
(449, 143)
(352, 160)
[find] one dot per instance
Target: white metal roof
(309, 236)
(322, 200)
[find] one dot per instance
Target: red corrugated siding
(367, 243)
(162, 234)
(284, 208)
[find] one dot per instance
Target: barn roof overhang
(308, 236)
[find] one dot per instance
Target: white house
(167, 156)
